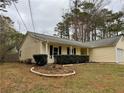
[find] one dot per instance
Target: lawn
(90, 78)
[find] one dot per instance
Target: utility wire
(20, 16)
(31, 15)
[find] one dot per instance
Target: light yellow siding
(104, 54)
(78, 51)
(29, 48)
(43, 48)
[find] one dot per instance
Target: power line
(31, 15)
(20, 16)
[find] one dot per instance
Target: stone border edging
(51, 75)
(69, 65)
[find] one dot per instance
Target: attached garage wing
(120, 55)
(104, 54)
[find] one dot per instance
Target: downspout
(87, 51)
(116, 56)
(41, 46)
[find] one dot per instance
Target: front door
(55, 51)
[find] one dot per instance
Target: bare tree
(4, 3)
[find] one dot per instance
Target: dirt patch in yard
(54, 69)
(100, 85)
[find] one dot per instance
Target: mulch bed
(54, 69)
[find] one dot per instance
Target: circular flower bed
(53, 70)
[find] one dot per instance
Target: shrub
(71, 59)
(40, 59)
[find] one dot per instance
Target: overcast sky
(46, 13)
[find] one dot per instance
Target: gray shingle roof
(98, 43)
(104, 42)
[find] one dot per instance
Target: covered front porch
(53, 49)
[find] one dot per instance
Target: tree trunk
(2, 59)
(95, 34)
(82, 35)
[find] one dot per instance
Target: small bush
(41, 60)
(71, 59)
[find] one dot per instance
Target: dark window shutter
(74, 51)
(68, 50)
(51, 50)
(60, 50)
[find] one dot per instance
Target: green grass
(89, 78)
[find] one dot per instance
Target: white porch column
(47, 48)
(71, 50)
(88, 51)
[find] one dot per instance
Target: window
(60, 50)
(55, 51)
(68, 50)
(83, 51)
